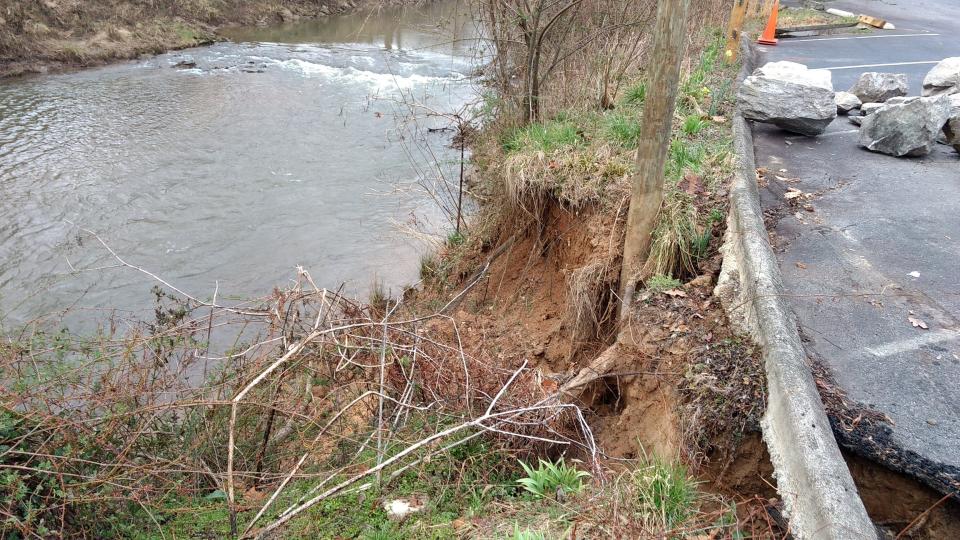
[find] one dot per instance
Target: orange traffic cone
(769, 36)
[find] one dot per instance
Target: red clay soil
(670, 394)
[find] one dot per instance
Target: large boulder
(873, 87)
(789, 96)
(944, 78)
(846, 102)
(951, 130)
(908, 128)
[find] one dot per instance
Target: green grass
(623, 129)
(549, 477)
(683, 156)
(526, 534)
(795, 16)
(666, 491)
(693, 124)
(660, 282)
(636, 94)
(465, 481)
(545, 137)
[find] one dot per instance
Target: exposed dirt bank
(685, 387)
(901, 506)
(38, 36)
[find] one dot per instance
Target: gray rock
(869, 108)
(846, 102)
(900, 99)
(951, 133)
(905, 129)
(789, 96)
(944, 78)
(954, 100)
(879, 87)
(951, 130)
(855, 120)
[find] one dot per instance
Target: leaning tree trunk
(647, 184)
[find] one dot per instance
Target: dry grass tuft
(588, 299)
(573, 177)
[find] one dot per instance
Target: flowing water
(306, 144)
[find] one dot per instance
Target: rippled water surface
(281, 148)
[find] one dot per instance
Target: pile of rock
(802, 100)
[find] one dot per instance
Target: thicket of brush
(116, 435)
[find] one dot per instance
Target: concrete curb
(819, 495)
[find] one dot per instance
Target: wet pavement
(875, 255)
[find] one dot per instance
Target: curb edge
(813, 480)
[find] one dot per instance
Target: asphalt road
(881, 246)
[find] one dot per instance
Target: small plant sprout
(716, 215)
(636, 94)
(666, 491)
(551, 478)
(693, 124)
(526, 534)
(455, 238)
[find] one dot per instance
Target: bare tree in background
(579, 40)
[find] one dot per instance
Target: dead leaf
(675, 292)
(691, 183)
(719, 119)
(252, 495)
(792, 193)
(918, 323)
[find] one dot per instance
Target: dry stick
(383, 375)
(475, 423)
(161, 280)
(303, 457)
(922, 514)
(479, 274)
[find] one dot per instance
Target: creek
(319, 144)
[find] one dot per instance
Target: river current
(226, 167)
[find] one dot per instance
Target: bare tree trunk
(647, 185)
(734, 29)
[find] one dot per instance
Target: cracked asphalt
(880, 249)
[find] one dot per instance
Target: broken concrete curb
(819, 495)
